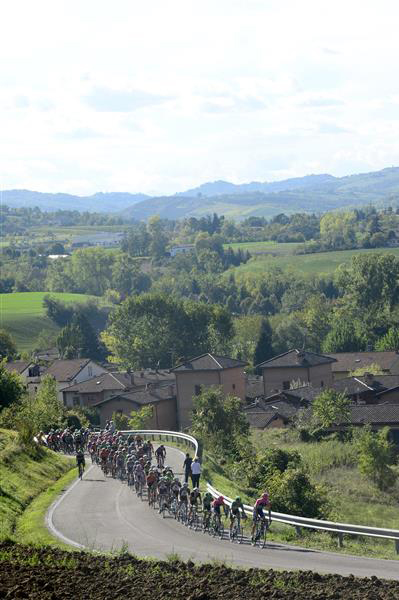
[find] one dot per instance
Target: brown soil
(47, 573)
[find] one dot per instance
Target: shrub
(292, 492)
(272, 460)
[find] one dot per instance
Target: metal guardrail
(319, 524)
(293, 520)
(166, 436)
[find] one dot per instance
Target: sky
(158, 96)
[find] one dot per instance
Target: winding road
(104, 514)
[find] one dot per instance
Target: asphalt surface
(103, 514)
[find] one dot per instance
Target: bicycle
(81, 469)
(182, 513)
(206, 521)
(217, 527)
(163, 505)
(194, 519)
(174, 507)
(261, 528)
(236, 531)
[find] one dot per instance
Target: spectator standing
(195, 472)
(187, 467)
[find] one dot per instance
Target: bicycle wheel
(263, 535)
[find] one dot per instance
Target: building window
(286, 385)
(321, 383)
(234, 386)
(76, 401)
(197, 390)
(90, 370)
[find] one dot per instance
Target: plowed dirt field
(47, 573)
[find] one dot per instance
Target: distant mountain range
(312, 193)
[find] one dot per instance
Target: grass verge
(31, 528)
(216, 474)
(24, 476)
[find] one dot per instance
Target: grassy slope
(22, 314)
(354, 499)
(322, 262)
(22, 479)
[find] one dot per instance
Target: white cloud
(160, 96)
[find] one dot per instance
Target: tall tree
(12, 388)
(8, 349)
(264, 347)
(156, 329)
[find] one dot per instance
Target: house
(206, 370)
(29, 371)
(181, 249)
(296, 365)
(347, 362)
(161, 397)
(96, 389)
(377, 416)
(73, 371)
(275, 411)
(254, 388)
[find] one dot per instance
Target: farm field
(22, 315)
(322, 262)
(264, 247)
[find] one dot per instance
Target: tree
(8, 349)
(264, 348)
(371, 282)
(375, 456)
(78, 339)
(390, 341)
(153, 330)
(343, 337)
(12, 388)
(330, 407)
(140, 419)
(293, 493)
(219, 421)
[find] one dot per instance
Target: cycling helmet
(185, 485)
(265, 496)
(238, 499)
(220, 498)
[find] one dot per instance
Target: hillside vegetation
(22, 314)
(318, 263)
(23, 477)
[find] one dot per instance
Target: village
(285, 388)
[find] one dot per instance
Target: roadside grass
(31, 528)
(354, 499)
(317, 263)
(22, 478)
(23, 316)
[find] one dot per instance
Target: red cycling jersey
(218, 502)
(261, 502)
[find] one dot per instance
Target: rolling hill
(312, 193)
(307, 194)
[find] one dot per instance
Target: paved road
(104, 514)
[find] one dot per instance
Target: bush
(272, 460)
(292, 492)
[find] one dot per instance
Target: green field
(22, 315)
(322, 262)
(265, 247)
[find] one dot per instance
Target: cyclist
(163, 492)
(207, 507)
(236, 507)
(80, 460)
(152, 479)
(195, 498)
(160, 454)
(260, 504)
